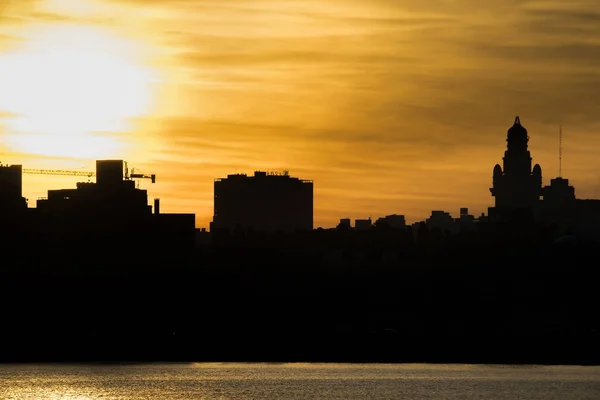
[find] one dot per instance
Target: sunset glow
(69, 90)
(390, 107)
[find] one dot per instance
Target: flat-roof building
(267, 202)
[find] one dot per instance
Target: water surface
(296, 381)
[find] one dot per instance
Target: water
(296, 381)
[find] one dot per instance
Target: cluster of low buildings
(96, 215)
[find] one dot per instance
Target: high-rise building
(267, 202)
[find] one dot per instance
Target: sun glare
(72, 92)
(80, 8)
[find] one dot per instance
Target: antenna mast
(560, 152)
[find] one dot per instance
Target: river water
(296, 381)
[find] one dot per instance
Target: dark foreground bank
(203, 348)
(527, 305)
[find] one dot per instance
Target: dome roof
(497, 170)
(517, 129)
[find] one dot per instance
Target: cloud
(200, 151)
(4, 114)
(13, 11)
(380, 102)
(391, 107)
(53, 17)
(8, 38)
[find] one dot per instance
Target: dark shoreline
(583, 353)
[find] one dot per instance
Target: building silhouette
(345, 223)
(11, 189)
(558, 194)
(393, 221)
(363, 224)
(14, 221)
(516, 184)
(441, 220)
(108, 214)
(561, 208)
(520, 196)
(267, 202)
(109, 196)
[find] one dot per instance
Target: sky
(389, 106)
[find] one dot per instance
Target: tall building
(562, 208)
(267, 202)
(558, 194)
(516, 184)
(11, 182)
(11, 189)
(13, 209)
(520, 196)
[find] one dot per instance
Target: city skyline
(389, 109)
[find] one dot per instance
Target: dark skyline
(111, 277)
(273, 201)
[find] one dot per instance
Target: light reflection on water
(296, 381)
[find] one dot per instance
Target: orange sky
(389, 106)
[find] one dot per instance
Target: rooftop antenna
(560, 140)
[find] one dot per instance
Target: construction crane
(58, 172)
(133, 175)
(152, 177)
(88, 174)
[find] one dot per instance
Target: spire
(517, 136)
(560, 140)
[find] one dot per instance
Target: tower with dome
(516, 184)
